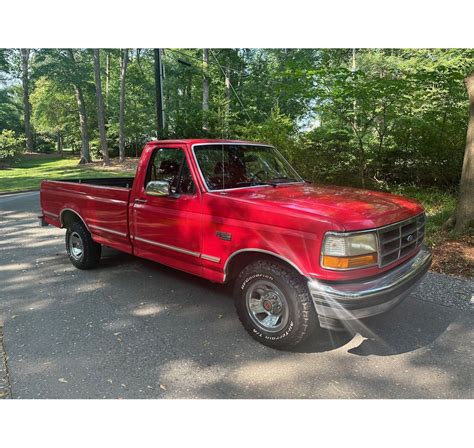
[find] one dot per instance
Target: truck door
(167, 229)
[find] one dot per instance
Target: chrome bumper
(336, 301)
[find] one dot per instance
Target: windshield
(240, 165)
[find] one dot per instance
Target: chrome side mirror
(157, 188)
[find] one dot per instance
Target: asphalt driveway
(135, 329)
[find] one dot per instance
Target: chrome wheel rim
(267, 306)
(76, 248)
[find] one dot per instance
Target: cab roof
(194, 141)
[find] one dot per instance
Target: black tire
(91, 251)
(301, 318)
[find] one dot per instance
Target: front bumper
(339, 301)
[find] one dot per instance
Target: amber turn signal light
(358, 261)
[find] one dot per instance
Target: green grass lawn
(28, 172)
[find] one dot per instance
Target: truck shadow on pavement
(409, 326)
(322, 341)
(132, 325)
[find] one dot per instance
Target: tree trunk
(205, 89)
(25, 58)
(465, 207)
(107, 76)
(355, 126)
(60, 144)
(100, 108)
(160, 120)
(227, 102)
(189, 89)
(123, 73)
(362, 162)
(81, 106)
(85, 152)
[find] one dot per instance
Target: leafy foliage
(371, 117)
(54, 108)
(10, 146)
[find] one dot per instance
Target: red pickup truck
(299, 254)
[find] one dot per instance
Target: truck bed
(123, 182)
(102, 204)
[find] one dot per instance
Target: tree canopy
(361, 117)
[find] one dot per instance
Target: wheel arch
(240, 258)
(68, 215)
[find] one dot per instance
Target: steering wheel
(255, 177)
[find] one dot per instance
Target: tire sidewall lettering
(253, 277)
(286, 333)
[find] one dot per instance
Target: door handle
(140, 201)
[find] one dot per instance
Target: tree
(81, 106)
(140, 123)
(227, 85)
(54, 110)
(25, 59)
(205, 89)
(465, 207)
(100, 108)
(11, 109)
(123, 73)
(4, 66)
(158, 65)
(108, 58)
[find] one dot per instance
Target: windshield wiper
(272, 182)
(282, 180)
(252, 184)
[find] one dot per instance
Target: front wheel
(83, 251)
(274, 305)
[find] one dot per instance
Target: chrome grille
(400, 239)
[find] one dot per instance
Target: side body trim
(179, 249)
(167, 246)
(109, 230)
(210, 258)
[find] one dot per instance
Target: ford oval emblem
(410, 238)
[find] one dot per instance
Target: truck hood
(348, 208)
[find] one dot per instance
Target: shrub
(10, 146)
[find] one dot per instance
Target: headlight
(349, 251)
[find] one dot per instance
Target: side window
(186, 183)
(170, 165)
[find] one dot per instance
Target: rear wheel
(83, 251)
(274, 304)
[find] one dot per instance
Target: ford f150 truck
(299, 254)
